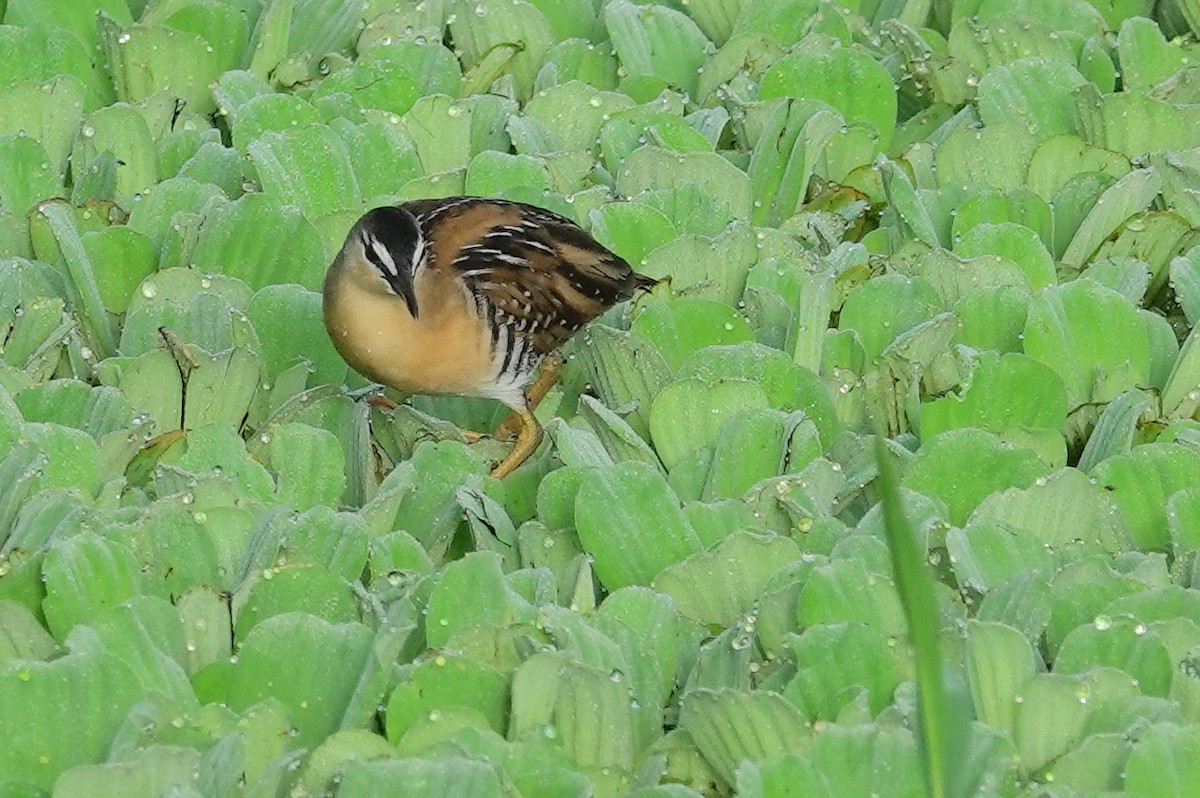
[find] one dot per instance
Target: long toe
(528, 439)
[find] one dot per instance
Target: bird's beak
(404, 287)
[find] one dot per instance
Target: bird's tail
(644, 283)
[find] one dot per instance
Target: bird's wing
(526, 267)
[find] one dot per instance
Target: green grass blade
(943, 729)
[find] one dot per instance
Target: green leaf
(287, 319)
(479, 28)
(1147, 59)
(681, 327)
(26, 175)
(788, 387)
(469, 592)
(730, 727)
(986, 554)
(879, 310)
(572, 114)
(912, 215)
(308, 167)
(1140, 483)
(446, 682)
(848, 79)
(1064, 508)
(86, 575)
(1036, 91)
(309, 463)
(629, 520)
(721, 585)
(1015, 242)
(147, 59)
(652, 167)
(319, 27)
(95, 410)
(427, 506)
(688, 415)
(125, 132)
(291, 588)
(1163, 761)
(1060, 158)
(703, 267)
(217, 446)
(275, 661)
(262, 241)
(90, 691)
(1003, 393)
(43, 51)
(1122, 644)
(1000, 660)
(631, 229)
(962, 467)
(22, 636)
(845, 592)
(1049, 718)
(454, 777)
(1123, 199)
(1074, 329)
(1177, 394)
(77, 17)
(656, 41)
(624, 368)
(49, 113)
(836, 665)
(378, 84)
(996, 156)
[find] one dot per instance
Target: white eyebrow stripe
(385, 257)
(419, 253)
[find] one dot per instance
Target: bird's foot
(529, 437)
(379, 400)
(552, 367)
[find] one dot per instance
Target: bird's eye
(379, 255)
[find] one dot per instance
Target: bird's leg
(379, 400)
(529, 436)
(382, 401)
(551, 368)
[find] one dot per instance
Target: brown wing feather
(530, 268)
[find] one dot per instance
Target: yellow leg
(551, 367)
(528, 438)
(379, 400)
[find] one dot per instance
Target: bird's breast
(444, 351)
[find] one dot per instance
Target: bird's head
(391, 244)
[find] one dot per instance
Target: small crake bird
(468, 296)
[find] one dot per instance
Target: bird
(468, 296)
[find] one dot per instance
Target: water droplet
(149, 290)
